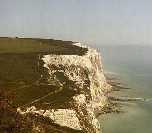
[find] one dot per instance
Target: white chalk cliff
(89, 83)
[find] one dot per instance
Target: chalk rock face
(86, 71)
(83, 75)
(64, 117)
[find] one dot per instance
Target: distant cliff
(71, 75)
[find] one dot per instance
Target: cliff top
(37, 45)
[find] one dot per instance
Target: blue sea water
(133, 66)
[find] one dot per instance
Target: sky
(117, 22)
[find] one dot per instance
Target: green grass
(36, 45)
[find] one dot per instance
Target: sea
(132, 66)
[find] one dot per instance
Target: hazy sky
(92, 21)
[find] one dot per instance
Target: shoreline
(114, 102)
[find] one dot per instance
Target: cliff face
(80, 80)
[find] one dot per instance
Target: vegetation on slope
(13, 122)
